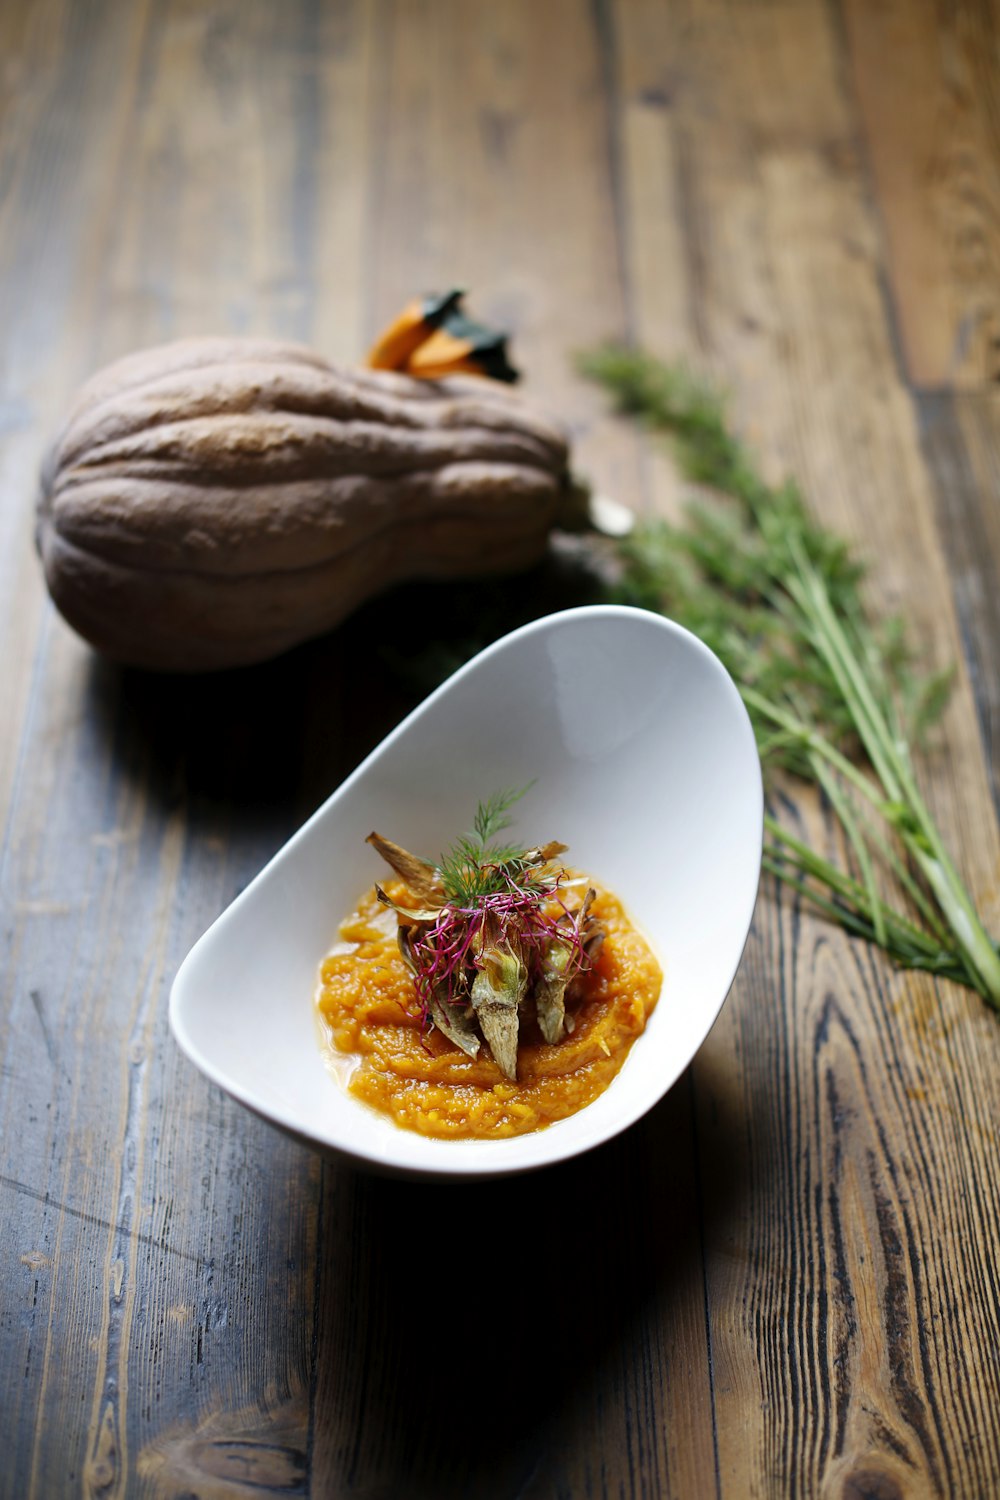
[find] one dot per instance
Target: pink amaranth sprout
(444, 952)
(489, 936)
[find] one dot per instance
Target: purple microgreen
(485, 900)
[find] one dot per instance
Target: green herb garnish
(490, 937)
(476, 866)
(834, 697)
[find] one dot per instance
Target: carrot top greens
(836, 697)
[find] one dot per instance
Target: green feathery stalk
(476, 865)
(834, 696)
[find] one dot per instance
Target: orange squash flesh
(366, 1001)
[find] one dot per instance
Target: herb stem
(892, 766)
(812, 741)
(788, 849)
(845, 812)
(939, 961)
(832, 694)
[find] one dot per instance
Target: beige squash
(213, 502)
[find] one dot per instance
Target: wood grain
(928, 89)
(843, 1270)
(782, 1282)
(959, 435)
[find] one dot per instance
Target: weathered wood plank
(568, 1344)
(54, 197)
(834, 1333)
(163, 1333)
(787, 1286)
(492, 171)
(960, 435)
(467, 176)
(928, 87)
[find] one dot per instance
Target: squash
(213, 502)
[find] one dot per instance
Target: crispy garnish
(489, 936)
(420, 877)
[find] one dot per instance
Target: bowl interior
(641, 759)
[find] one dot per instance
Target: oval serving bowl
(642, 760)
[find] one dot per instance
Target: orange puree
(367, 1001)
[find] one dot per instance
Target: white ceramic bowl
(642, 760)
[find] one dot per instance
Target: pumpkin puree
(367, 1002)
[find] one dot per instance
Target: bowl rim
(468, 1162)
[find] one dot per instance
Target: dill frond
(474, 866)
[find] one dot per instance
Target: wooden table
(784, 1281)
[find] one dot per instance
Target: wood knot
(252, 1463)
(871, 1484)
